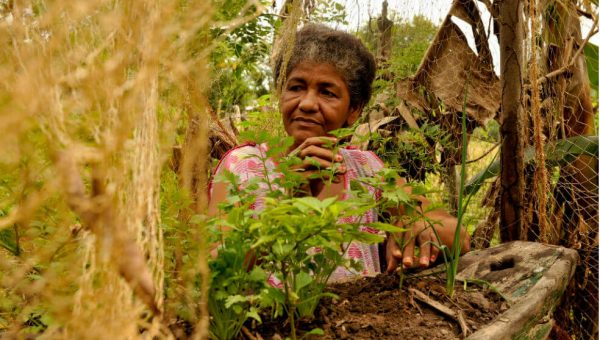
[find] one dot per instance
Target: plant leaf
(591, 57)
(253, 313)
(258, 274)
(368, 238)
(309, 202)
(234, 299)
(303, 279)
(387, 227)
(315, 331)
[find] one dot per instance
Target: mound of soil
(376, 308)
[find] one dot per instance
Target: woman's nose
(308, 102)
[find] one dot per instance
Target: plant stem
(401, 274)
(292, 321)
(292, 306)
(456, 245)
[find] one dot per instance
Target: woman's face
(314, 101)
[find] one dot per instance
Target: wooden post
(511, 119)
(385, 29)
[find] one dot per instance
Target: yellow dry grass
(91, 93)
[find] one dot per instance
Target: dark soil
(375, 308)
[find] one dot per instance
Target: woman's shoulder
(245, 154)
(363, 157)
(245, 149)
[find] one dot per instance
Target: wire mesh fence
(556, 124)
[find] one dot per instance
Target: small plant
(302, 243)
(235, 289)
(298, 242)
(452, 256)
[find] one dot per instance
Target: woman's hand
(419, 234)
(422, 234)
(318, 153)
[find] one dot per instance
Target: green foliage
(234, 291)
(413, 149)
(452, 264)
(490, 133)
(410, 41)
(590, 52)
(297, 240)
(239, 59)
(263, 121)
(289, 230)
(329, 12)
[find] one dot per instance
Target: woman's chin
(301, 136)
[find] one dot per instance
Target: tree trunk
(450, 179)
(511, 119)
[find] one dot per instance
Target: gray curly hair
(321, 44)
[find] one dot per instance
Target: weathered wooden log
(533, 276)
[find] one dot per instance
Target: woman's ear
(353, 115)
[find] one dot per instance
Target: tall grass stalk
(452, 265)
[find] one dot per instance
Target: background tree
(239, 61)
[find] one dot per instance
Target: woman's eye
(328, 93)
(295, 88)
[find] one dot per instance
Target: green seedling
(301, 242)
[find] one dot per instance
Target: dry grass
(91, 93)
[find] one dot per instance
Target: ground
(375, 308)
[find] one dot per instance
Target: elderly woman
(326, 84)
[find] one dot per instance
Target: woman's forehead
(315, 71)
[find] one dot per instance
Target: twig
(484, 154)
(248, 334)
(463, 323)
(566, 67)
(419, 295)
(214, 116)
(456, 316)
(414, 304)
(585, 13)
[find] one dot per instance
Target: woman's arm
(218, 195)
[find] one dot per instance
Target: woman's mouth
(306, 121)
